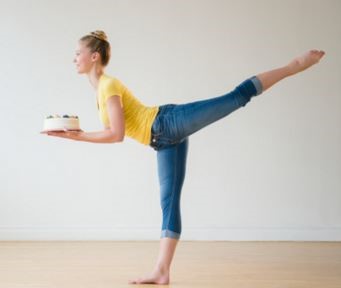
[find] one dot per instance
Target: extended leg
(191, 117)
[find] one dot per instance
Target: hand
(69, 134)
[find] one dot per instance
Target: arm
(113, 133)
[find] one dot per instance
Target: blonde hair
(97, 41)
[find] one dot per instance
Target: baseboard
(78, 233)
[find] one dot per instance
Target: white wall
(269, 171)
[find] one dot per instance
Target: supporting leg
(171, 169)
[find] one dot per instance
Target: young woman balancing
(164, 128)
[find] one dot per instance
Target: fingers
(74, 135)
(55, 133)
(58, 134)
(72, 130)
(46, 132)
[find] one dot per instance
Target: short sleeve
(111, 88)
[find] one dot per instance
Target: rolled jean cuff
(169, 234)
(258, 85)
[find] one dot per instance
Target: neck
(94, 75)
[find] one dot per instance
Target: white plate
(60, 130)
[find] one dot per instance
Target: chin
(80, 71)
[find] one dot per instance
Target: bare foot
(306, 60)
(156, 277)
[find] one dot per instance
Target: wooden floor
(104, 264)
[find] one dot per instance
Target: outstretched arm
(113, 133)
(105, 136)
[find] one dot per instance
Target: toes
(320, 52)
(133, 281)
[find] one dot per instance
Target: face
(84, 58)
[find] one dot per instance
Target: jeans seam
(173, 190)
(257, 84)
(236, 98)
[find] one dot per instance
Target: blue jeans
(170, 130)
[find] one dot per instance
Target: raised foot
(156, 277)
(306, 60)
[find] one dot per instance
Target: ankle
(290, 69)
(162, 268)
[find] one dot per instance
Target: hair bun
(99, 34)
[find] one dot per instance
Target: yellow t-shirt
(138, 117)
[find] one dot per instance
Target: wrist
(79, 136)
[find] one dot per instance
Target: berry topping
(58, 116)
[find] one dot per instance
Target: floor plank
(104, 264)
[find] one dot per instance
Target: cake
(58, 123)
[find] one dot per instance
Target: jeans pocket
(160, 138)
(155, 132)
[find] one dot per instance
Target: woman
(165, 128)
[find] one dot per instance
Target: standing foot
(306, 60)
(158, 276)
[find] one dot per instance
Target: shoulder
(111, 85)
(109, 80)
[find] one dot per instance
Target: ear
(95, 56)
